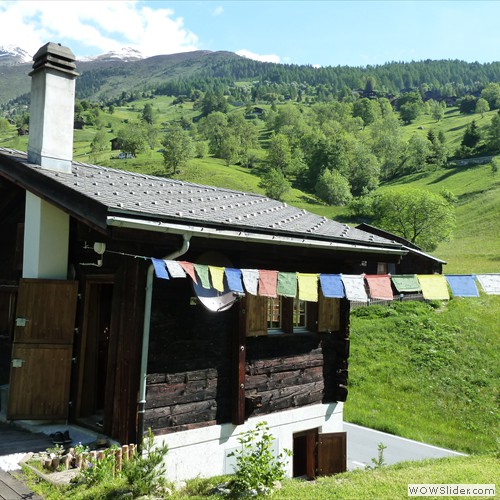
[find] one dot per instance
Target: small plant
(80, 448)
(57, 451)
(145, 473)
(98, 471)
(257, 470)
(379, 461)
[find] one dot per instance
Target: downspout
(145, 338)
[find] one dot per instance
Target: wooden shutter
(42, 349)
(287, 304)
(256, 315)
(332, 453)
(328, 314)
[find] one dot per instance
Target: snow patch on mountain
(124, 54)
(11, 55)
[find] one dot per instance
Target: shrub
(146, 472)
(99, 471)
(257, 470)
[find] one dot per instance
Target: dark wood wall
(189, 365)
(288, 371)
(189, 381)
(283, 372)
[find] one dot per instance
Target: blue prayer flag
(160, 269)
(234, 282)
(462, 285)
(332, 286)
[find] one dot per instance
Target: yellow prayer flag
(434, 286)
(308, 287)
(217, 275)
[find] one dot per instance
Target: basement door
(42, 349)
(332, 453)
(317, 454)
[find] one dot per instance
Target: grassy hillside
(428, 374)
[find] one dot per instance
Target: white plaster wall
(203, 452)
(46, 240)
(50, 142)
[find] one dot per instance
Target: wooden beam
(238, 369)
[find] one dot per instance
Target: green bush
(146, 472)
(257, 470)
(99, 471)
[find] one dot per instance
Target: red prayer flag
(379, 286)
(189, 268)
(268, 283)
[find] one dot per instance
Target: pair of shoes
(66, 437)
(57, 438)
(61, 437)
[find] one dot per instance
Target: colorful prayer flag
(434, 286)
(354, 285)
(490, 283)
(202, 272)
(233, 277)
(462, 285)
(175, 269)
(250, 280)
(287, 284)
(189, 268)
(308, 287)
(217, 275)
(159, 267)
(268, 281)
(331, 286)
(406, 283)
(379, 286)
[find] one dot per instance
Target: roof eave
(247, 236)
(79, 206)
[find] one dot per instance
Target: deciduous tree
(333, 188)
(132, 138)
(421, 217)
(177, 147)
(274, 184)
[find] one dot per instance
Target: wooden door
(332, 453)
(304, 453)
(42, 349)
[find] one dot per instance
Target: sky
(318, 33)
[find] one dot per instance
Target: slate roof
(411, 247)
(157, 198)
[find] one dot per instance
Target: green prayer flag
(202, 272)
(406, 283)
(287, 284)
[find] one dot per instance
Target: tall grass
(428, 374)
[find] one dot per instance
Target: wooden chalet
(416, 261)
(89, 334)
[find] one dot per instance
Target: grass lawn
(385, 483)
(428, 374)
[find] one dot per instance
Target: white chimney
(52, 108)
(50, 145)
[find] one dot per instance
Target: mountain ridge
(108, 76)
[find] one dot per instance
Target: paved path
(362, 446)
(12, 489)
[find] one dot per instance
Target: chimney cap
(56, 56)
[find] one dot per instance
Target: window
(265, 315)
(286, 315)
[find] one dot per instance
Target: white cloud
(257, 57)
(218, 11)
(94, 27)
